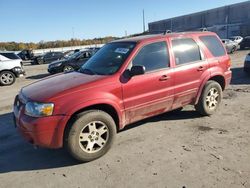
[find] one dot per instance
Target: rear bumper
(228, 77)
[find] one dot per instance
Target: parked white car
(237, 39)
(10, 68)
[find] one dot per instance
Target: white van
(10, 68)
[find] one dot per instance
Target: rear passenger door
(190, 65)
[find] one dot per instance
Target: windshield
(108, 59)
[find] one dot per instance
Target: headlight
(35, 109)
(17, 69)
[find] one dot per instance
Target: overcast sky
(36, 20)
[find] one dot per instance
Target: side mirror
(137, 70)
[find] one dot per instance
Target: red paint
(133, 100)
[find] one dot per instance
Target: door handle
(164, 78)
(200, 68)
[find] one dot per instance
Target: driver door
(151, 93)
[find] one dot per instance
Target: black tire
(82, 125)
(68, 68)
(203, 106)
(40, 62)
(7, 78)
(233, 50)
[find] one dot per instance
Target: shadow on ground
(17, 155)
(39, 76)
(239, 77)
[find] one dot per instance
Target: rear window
(10, 55)
(214, 45)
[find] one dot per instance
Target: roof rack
(167, 31)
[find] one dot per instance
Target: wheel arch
(108, 108)
(217, 78)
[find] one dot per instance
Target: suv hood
(58, 85)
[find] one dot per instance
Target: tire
(68, 68)
(210, 98)
(233, 50)
(7, 78)
(40, 62)
(90, 136)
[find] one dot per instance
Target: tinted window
(214, 45)
(153, 57)
(10, 55)
(186, 51)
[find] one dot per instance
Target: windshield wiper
(87, 71)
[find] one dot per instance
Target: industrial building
(226, 21)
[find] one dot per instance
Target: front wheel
(210, 98)
(68, 68)
(7, 78)
(91, 135)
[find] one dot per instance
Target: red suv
(125, 81)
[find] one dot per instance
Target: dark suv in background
(73, 62)
(48, 57)
(245, 43)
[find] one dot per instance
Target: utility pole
(143, 17)
(73, 33)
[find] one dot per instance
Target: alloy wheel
(7, 78)
(93, 136)
(212, 98)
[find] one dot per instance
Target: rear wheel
(91, 135)
(210, 98)
(7, 78)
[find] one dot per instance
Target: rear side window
(186, 51)
(214, 45)
(10, 55)
(153, 57)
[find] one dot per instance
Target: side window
(186, 50)
(213, 45)
(153, 57)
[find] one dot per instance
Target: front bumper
(18, 71)
(54, 70)
(43, 132)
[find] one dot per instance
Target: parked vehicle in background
(245, 43)
(237, 39)
(230, 45)
(10, 68)
(125, 81)
(247, 64)
(73, 62)
(70, 52)
(48, 57)
(93, 49)
(26, 55)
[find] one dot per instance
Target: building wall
(225, 21)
